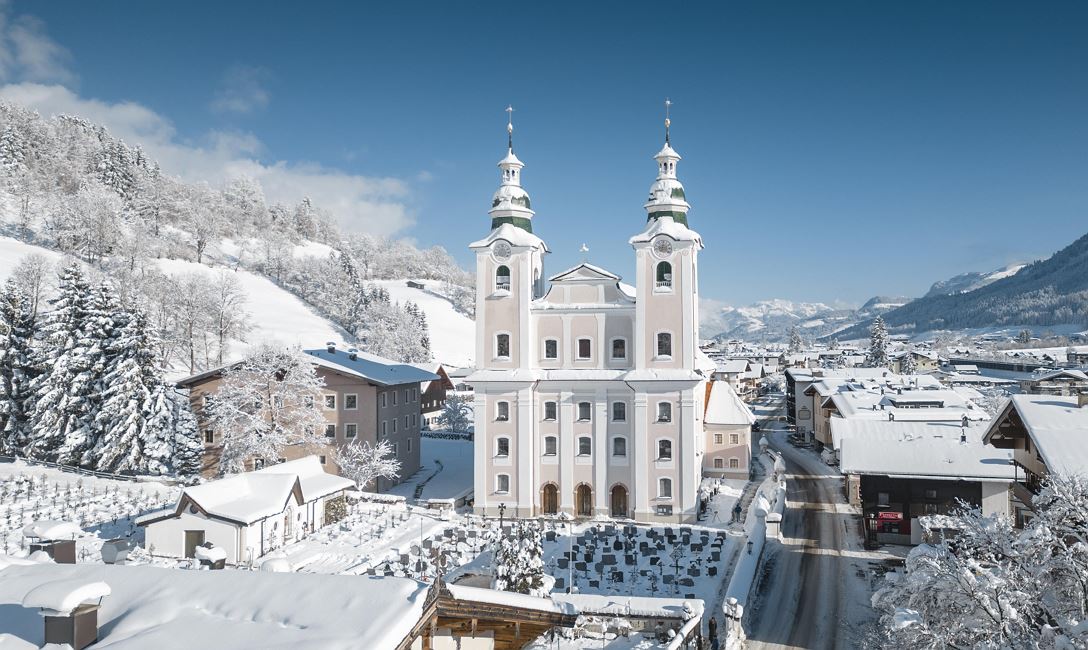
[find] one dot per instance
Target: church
(591, 393)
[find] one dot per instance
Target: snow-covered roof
(50, 530)
(668, 227)
(516, 236)
(313, 478)
(930, 449)
(243, 498)
(733, 366)
(612, 605)
(584, 271)
(511, 599)
(61, 597)
(724, 406)
(375, 369)
(1057, 426)
(152, 607)
(1055, 374)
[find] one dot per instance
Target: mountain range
(1045, 293)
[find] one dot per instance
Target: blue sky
(832, 150)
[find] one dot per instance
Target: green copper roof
(679, 217)
(520, 222)
(678, 193)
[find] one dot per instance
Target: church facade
(590, 393)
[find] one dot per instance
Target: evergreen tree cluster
(877, 357)
(518, 563)
(79, 385)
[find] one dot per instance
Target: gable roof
(375, 369)
(724, 406)
(929, 449)
(584, 272)
(1057, 426)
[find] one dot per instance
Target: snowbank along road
(812, 590)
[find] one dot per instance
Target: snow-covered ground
(453, 335)
(12, 251)
(103, 508)
(445, 470)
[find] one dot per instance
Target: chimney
(331, 347)
(72, 626)
(353, 353)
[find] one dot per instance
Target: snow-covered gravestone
(70, 608)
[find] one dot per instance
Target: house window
(502, 447)
(322, 459)
(584, 411)
(585, 349)
(664, 449)
(502, 411)
(585, 446)
(551, 445)
(883, 499)
(619, 446)
(619, 411)
(502, 346)
(734, 463)
(413, 420)
(407, 395)
(549, 410)
(619, 348)
(330, 402)
(719, 463)
(502, 483)
(664, 412)
(394, 425)
(734, 439)
(393, 395)
(664, 344)
(664, 488)
(330, 430)
(406, 420)
(351, 429)
(383, 400)
(551, 349)
(209, 436)
(396, 450)
(351, 402)
(718, 439)
(383, 429)
(409, 445)
(502, 278)
(664, 276)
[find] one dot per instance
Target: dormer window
(502, 278)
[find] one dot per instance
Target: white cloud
(242, 90)
(27, 53)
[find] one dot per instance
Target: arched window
(551, 446)
(502, 346)
(585, 446)
(502, 483)
(502, 447)
(619, 446)
(664, 344)
(664, 412)
(619, 411)
(549, 410)
(664, 488)
(502, 278)
(664, 449)
(585, 411)
(502, 411)
(664, 275)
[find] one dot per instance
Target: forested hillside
(1048, 292)
(68, 185)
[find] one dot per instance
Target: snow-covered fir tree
(188, 448)
(63, 389)
(518, 563)
(796, 342)
(908, 366)
(366, 463)
(16, 367)
(265, 403)
(995, 586)
(877, 356)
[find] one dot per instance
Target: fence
(71, 469)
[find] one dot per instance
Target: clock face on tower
(501, 251)
(662, 247)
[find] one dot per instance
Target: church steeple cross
(510, 127)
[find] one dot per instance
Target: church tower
(666, 252)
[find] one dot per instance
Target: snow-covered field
(103, 508)
(12, 251)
